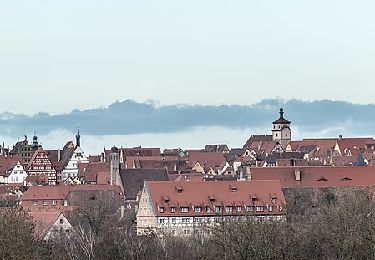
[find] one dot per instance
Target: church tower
(281, 131)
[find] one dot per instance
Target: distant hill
(131, 117)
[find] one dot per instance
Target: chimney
(297, 175)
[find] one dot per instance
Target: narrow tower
(115, 166)
(281, 131)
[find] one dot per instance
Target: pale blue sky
(59, 55)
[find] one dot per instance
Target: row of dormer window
(219, 209)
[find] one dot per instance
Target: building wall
(189, 225)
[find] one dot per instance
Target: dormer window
(166, 198)
(179, 188)
(197, 209)
(184, 209)
(229, 209)
(259, 208)
(239, 208)
(161, 209)
(173, 209)
(249, 208)
(233, 188)
(218, 209)
(208, 209)
(253, 197)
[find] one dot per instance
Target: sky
(56, 56)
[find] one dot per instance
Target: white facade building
(78, 156)
(17, 175)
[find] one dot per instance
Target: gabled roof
(133, 180)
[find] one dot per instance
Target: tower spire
(281, 112)
(78, 139)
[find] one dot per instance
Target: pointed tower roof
(281, 119)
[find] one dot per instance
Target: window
(185, 220)
(161, 221)
(61, 221)
(173, 209)
(45, 203)
(259, 208)
(270, 208)
(35, 203)
(208, 209)
(187, 232)
(197, 209)
(197, 220)
(184, 209)
(229, 209)
(161, 209)
(218, 209)
(239, 208)
(54, 203)
(173, 220)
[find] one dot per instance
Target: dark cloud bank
(131, 117)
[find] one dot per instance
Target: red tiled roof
(224, 193)
(354, 143)
(92, 171)
(8, 163)
(206, 159)
(321, 176)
